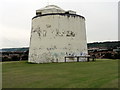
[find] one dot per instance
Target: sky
(16, 17)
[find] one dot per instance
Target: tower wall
(54, 36)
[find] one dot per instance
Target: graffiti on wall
(56, 32)
(70, 34)
(50, 55)
(40, 32)
(65, 33)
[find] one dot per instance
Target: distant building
(56, 33)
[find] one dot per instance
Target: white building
(56, 33)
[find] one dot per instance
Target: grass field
(98, 74)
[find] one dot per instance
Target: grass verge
(98, 74)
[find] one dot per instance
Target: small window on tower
(38, 13)
(66, 12)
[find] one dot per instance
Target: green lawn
(99, 74)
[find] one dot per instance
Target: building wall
(55, 36)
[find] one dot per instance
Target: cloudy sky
(15, 19)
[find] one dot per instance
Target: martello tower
(56, 33)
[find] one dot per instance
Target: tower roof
(55, 10)
(52, 9)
